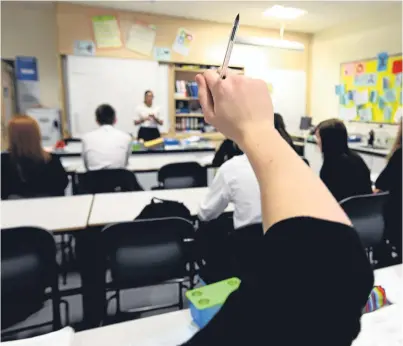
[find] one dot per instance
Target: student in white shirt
(106, 147)
(148, 117)
(234, 183)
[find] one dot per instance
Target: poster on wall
(183, 41)
(27, 86)
(141, 38)
(86, 48)
(162, 53)
(106, 31)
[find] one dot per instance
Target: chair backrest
(72, 140)
(28, 267)
(108, 180)
(366, 214)
(146, 252)
(306, 161)
(182, 175)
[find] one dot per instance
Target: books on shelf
(186, 124)
(186, 89)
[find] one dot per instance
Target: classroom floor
(130, 299)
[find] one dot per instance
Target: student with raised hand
(27, 170)
(343, 171)
(391, 180)
(106, 147)
(314, 275)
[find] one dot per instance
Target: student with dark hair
(227, 150)
(391, 180)
(343, 171)
(26, 169)
(279, 125)
(106, 147)
(148, 117)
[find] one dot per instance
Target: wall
(74, 23)
(355, 41)
(31, 30)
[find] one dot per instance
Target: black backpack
(160, 208)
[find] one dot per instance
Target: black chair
(146, 253)
(108, 180)
(28, 269)
(305, 160)
(366, 214)
(72, 140)
(181, 176)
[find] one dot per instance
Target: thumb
(205, 98)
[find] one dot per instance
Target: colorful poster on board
(359, 68)
(106, 31)
(365, 79)
(349, 69)
(397, 67)
(86, 48)
(382, 64)
(141, 38)
(183, 41)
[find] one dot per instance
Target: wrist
(256, 135)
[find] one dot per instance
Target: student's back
(106, 147)
(344, 172)
(27, 170)
(346, 176)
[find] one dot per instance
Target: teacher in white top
(148, 117)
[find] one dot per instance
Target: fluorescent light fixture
(270, 42)
(283, 12)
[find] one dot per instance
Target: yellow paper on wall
(106, 32)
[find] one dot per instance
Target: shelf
(194, 70)
(213, 136)
(185, 98)
(189, 115)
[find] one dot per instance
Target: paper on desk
(380, 328)
(63, 337)
(174, 337)
(392, 284)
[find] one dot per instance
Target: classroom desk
(127, 205)
(55, 214)
(379, 328)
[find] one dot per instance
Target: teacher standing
(148, 117)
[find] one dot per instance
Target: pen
(229, 47)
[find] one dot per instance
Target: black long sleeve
(314, 279)
(58, 179)
(392, 174)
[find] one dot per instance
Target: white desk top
(168, 329)
(379, 328)
(51, 213)
(144, 162)
(125, 206)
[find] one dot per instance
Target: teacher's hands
(237, 106)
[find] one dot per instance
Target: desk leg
(91, 264)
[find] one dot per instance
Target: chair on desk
(28, 269)
(108, 180)
(181, 175)
(147, 253)
(366, 214)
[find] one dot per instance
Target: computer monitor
(306, 123)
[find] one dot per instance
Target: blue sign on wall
(26, 68)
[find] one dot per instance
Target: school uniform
(149, 129)
(106, 148)
(235, 182)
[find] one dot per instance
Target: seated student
(27, 170)
(227, 150)
(343, 171)
(309, 251)
(236, 183)
(106, 147)
(391, 180)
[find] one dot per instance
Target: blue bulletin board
(370, 90)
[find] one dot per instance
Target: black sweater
(39, 179)
(346, 175)
(314, 279)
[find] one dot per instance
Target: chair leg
(57, 324)
(180, 296)
(118, 311)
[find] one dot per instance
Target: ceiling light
(282, 12)
(270, 42)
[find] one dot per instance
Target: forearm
(139, 121)
(289, 188)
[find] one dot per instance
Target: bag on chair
(160, 208)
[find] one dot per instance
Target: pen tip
(237, 17)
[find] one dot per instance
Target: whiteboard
(121, 83)
(289, 86)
